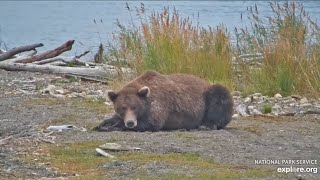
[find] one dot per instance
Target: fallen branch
(51, 60)
(44, 63)
(312, 112)
(9, 54)
(78, 57)
(49, 54)
(104, 81)
(64, 59)
(5, 140)
(2, 51)
(96, 72)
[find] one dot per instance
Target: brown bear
(154, 102)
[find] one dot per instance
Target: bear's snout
(130, 119)
(130, 124)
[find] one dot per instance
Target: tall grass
(169, 43)
(289, 40)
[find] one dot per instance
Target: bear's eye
(133, 108)
(124, 108)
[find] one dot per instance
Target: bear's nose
(130, 124)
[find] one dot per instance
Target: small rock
(98, 92)
(91, 97)
(107, 103)
(262, 99)
(247, 99)
(312, 101)
(235, 116)
(303, 101)
(288, 101)
(242, 110)
(236, 93)
(236, 97)
(59, 96)
(276, 109)
(297, 97)
(61, 91)
(276, 106)
(257, 94)
(250, 107)
(60, 128)
(306, 105)
(48, 89)
(292, 104)
(52, 89)
(255, 112)
(75, 94)
(277, 96)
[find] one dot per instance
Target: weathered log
(79, 56)
(107, 72)
(312, 112)
(104, 81)
(2, 51)
(39, 63)
(47, 61)
(9, 54)
(64, 59)
(49, 54)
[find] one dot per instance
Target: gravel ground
(25, 113)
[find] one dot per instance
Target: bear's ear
(144, 91)
(112, 95)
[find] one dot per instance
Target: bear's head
(130, 104)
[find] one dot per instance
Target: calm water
(54, 22)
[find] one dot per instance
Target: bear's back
(177, 99)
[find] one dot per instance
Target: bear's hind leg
(219, 107)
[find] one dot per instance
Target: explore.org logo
(297, 170)
(296, 165)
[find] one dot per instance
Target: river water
(54, 22)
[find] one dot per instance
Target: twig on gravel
(311, 112)
(247, 107)
(5, 140)
(103, 153)
(46, 140)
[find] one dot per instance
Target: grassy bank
(287, 38)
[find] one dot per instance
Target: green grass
(81, 158)
(97, 106)
(267, 108)
(93, 105)
(186, 137)
(77, 158)
(289, 40)
(169, 43)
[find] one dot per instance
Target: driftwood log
(51, 62)
(14, 51)
(49, 54)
